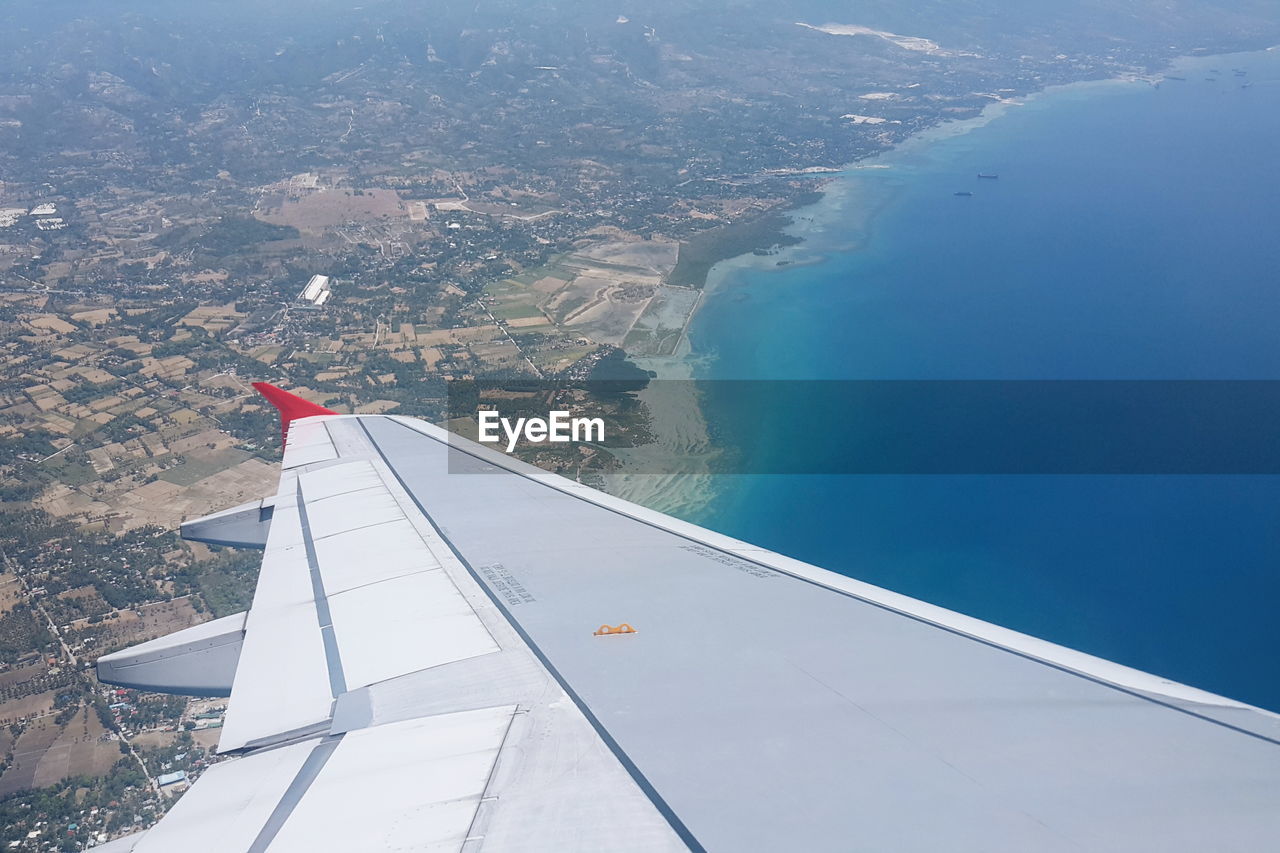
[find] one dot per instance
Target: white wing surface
(421, 670)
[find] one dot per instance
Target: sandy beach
(672, 475)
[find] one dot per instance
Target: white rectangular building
(316, 291)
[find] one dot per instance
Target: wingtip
(290, 406)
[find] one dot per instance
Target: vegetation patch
(194, 469)
(702, 251)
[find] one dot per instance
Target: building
(317, 290)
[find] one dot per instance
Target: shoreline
(686, 496)
(681, 432)
(686, 429)
(759, 233)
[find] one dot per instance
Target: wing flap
(350, 594)
(307, 442)
(282, 682)
(371, 555)
(404, 625)
(338, 514)
(414, 785)
(232, 802)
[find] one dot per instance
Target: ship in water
(988, 177)
(964, 193)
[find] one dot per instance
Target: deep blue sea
(1133, 233)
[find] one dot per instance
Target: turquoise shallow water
(1132, 234)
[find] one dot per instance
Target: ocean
(1131, 234)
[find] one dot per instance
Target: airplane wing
(451, 650)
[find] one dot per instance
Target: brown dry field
(20, 674)
(168, 505)
(548, 284)
(207, 738)
(151, 740)
(497, 353)
(27, 706)
(527, 322)
(603, 305)
(377, 407)
(469, 334)
(658, 256)
(209, 439)
(60, 500)
(96, 316)
(10, 592)
(78, 751)
(327, 208)
(47, 753)
(27, 752)
(128, 628)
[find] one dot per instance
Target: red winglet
(290, 406)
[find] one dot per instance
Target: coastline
(682, 430)
(679, 425)
(760, 233)
(845, 210)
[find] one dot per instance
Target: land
(762, 233)
(501, 191)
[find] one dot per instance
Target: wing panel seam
(333, 657)
(307, 775)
